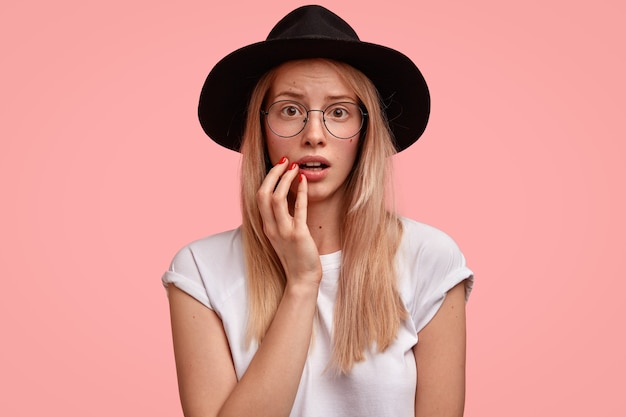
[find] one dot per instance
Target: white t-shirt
(428, 262)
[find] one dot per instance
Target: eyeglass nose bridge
(306, 119)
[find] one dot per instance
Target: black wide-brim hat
(313, 32)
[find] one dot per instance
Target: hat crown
(312, 22)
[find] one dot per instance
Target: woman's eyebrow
(300, 96)
(343, 97)
(290, 94)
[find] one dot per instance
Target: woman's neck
(325, 220)
(325, 223)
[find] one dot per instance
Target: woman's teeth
(312, 165)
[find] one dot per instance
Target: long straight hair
(368, 308)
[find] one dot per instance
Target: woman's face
(325, 160)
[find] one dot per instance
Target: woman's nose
(315, 130)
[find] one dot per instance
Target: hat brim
(225, 94)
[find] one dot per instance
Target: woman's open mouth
(313, 166)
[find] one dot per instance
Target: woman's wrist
(303, 287)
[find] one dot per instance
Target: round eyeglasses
(287, 118)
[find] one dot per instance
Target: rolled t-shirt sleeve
(436, 265)
(184, 273)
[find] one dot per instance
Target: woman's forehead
(310, 78)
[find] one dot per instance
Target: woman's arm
(206, 376)
(440, 358)
(207, 380)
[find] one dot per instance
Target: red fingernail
(301, 177)
(282, 160)
(293, 166)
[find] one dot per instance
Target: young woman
(324, 302)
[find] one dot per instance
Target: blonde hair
(368, 308)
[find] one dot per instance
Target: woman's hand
(289, 235)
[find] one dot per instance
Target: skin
(316, 85)
(301, 220)
(440, 360)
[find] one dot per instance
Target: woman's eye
(291, 111)
(339, 113)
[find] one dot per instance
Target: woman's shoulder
(420, 235)
(429, 252)
(216, 241)
(430, 261)
(209, 268)
(219, 251)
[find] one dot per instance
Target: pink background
(105, 173)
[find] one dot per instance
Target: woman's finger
(300, 209)
(279, 199)
(265, 194)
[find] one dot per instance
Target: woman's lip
(313, 175)
(313, 158)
